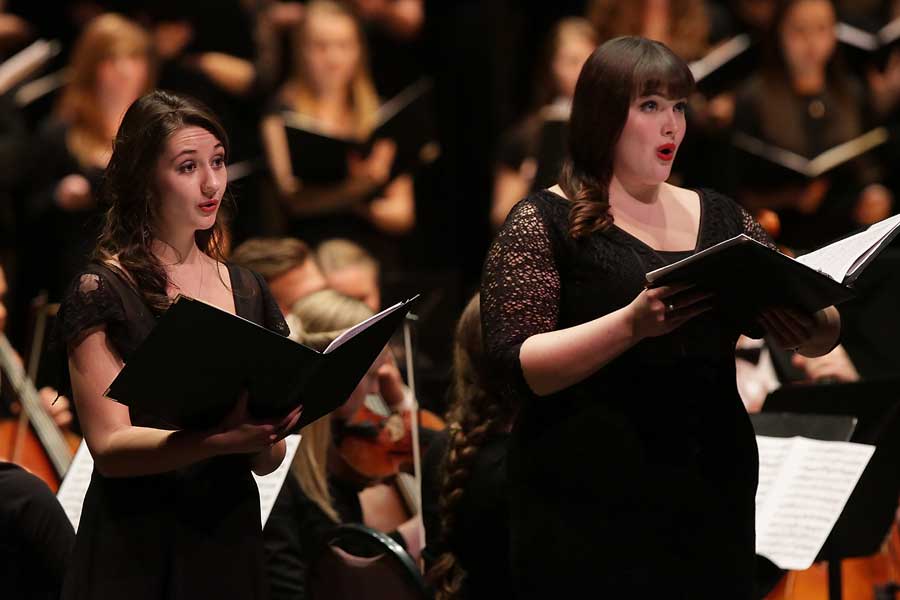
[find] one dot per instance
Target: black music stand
(871, 508)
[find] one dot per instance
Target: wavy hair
(619, 71)
(129, 190)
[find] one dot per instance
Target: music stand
(871, 508)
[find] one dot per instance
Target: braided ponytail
(473, 417)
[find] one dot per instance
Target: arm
(395, 211)
(510, 186)
(520, 306)
(121, 449)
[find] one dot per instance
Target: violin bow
(414, 422)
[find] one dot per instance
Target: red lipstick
(666, 152)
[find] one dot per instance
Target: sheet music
(75, 485)
(269, 485)
(807, 484)
(839, 259)
(351, 332)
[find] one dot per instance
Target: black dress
(640, 480)
(190, 533)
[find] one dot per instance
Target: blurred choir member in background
(110, 67)
(350, 270)
(683, 25)
(330, 85)
(465, 497)
(322, 489)
(805, 101)
(287, 264)
(570, 43)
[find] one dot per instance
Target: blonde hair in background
(337, 253)
(106, 37)
(298, 91)
(315, 321)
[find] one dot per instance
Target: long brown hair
(128, 190)
(475, 414)
(546, 87)
(106, 37)
(298, 92)
(617, 72)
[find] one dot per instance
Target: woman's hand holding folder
(810, 334)
(238, 433)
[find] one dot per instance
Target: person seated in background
(287, 264)
(322, 489)
(803, 101)
(464, 485)
(110, 67)
(350, 270)
(570, 43)
(331, 88)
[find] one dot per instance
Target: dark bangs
(660, 71)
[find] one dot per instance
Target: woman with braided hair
(632, 463)
(466, 470)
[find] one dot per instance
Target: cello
(32, 440)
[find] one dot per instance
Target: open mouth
(209, 206)
(666, 152)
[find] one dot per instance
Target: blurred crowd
(806, 77)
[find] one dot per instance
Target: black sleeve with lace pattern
(520, 292)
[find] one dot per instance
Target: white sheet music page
(75, 485)
(839, 259)
(804, 486)
(269, 485)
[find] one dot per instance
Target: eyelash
(188, 167)
(651, 105)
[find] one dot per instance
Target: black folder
(726, 66)
(747, 277)
(320, 158)
(196, 361)
(828, 428)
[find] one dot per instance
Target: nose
(209, 187)
(671, 123)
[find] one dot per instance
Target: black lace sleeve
(520, 291)
(753, 229)
(90, 302)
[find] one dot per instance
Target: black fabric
(36, 537)
(642, 477)
(190, 533)
(480, 540)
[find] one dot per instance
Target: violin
(32, 440)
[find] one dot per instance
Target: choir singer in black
(632, 462)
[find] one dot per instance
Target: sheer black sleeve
(753, 229)
(90, 302)
(520, 292)
(273, 319)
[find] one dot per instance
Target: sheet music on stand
(75, 485)
(804, 485)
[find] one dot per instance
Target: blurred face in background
(331, 51)
(807, 36)
(126, 78)
(570, 56)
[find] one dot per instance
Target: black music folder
(776, 165)
(726, 65)
(320, 158)
(196, 361)
(747, 276)
(828, 428)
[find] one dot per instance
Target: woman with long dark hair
(166, 509)
(632, 461)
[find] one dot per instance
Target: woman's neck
(810, 82)
(177, 249)
(623, 191)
